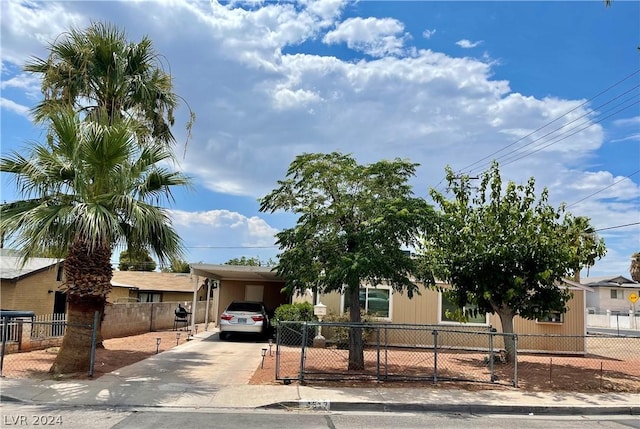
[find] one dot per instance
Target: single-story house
(32, 286)
(154, 286)
(430, 308)
(610, 293)
(241, 283)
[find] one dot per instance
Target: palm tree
(634, 269)
(98, 71)
(89, 189)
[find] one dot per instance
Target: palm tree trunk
(75, 353)
(88, 274)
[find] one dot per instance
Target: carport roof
(236, 272)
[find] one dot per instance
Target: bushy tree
(353, 223)
(634, 268)
(505, 252)
(136, 260)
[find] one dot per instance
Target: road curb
(456, 408)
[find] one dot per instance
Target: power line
(603, 189)
(511, 156)
(230, 247)
(554, 120)
(618, 226)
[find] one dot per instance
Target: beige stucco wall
(31, 293)
(600, 298)
(424, 309)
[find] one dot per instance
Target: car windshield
(245, 306)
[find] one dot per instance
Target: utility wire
(554, 120)
(618, 226)
(510, 155)
(603, 189)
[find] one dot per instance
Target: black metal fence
(436, 353)
(41, 336)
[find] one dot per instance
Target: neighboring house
(611, 293)
(32, 286)
(153, 286)
(241, 283)
(430, 308)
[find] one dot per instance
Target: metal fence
(41, 336)
(461, 353)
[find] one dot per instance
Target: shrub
(298, 312)
(339, 335)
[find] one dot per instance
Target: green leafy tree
(353, 222)
(634, 269)
(136, 260)
(177, 265)
(251, 262)
(97, 71)
(89, 189)
(505, 252)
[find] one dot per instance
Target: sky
(548, 89)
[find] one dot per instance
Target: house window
(149, 297)
(375, 302)
(448, 310)
(60, 273)
(616, 294)
(552, 317)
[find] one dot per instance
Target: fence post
(492, 378)
(378, 353)
(94, 339)
(5, 332)
(515, 366)
(278, 329)
(435, 356)
(304, 345)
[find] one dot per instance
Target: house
(611, 293)
(153, 286)
(241, 283)
(432, 308)
(32, 286)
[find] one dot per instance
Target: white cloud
(373, 36)
(427, 34)
(259, 106)
(15, 107)
(466, 44)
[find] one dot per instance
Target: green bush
(298, 312)
(339, 335)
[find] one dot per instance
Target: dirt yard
(593, 373)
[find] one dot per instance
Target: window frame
(619, 294)
(455, 323)
(388, 318)
(547, 321)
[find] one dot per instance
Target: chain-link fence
(440, 353)
(42, 338)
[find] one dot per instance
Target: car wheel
(224, 336)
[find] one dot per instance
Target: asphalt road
(19, 415)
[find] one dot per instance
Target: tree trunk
(88, 274)
(75, 352)
(356, 346)
(506, 320)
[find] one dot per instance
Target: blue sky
(439, 83)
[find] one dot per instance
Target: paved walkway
(207, 373)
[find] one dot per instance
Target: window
(447, 310)
(552, 317)
(375, 302)
(616, 294)
(60, 273)
(150, 297)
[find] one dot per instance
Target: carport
(229, 283)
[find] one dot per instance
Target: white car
(244, 317)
